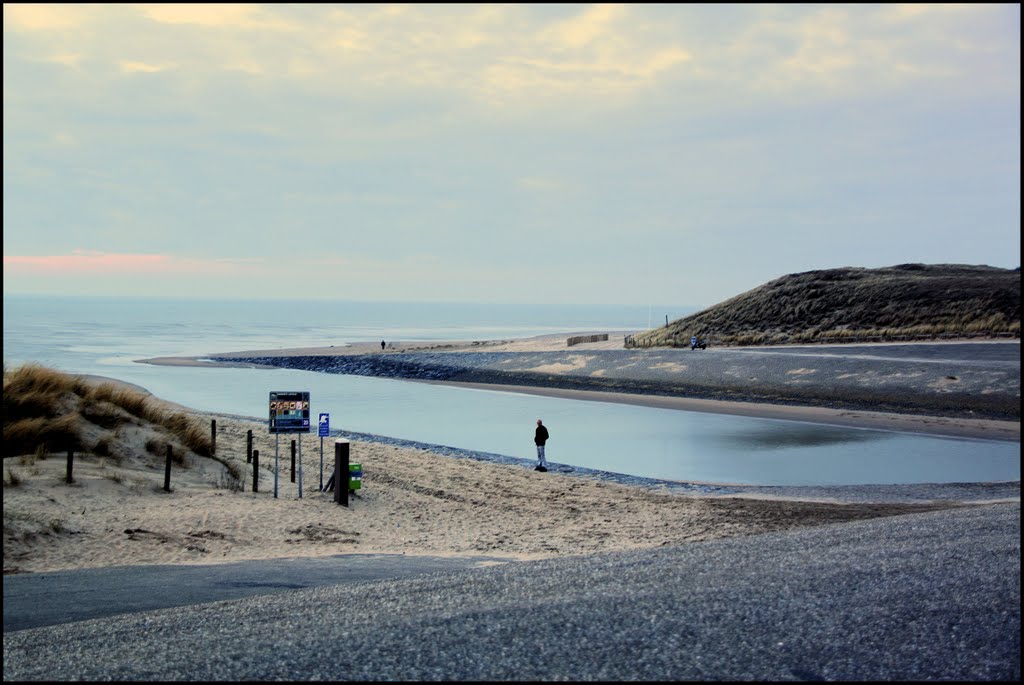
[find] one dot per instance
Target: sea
(108, 336)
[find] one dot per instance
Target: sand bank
(907, 423)
(923, 422)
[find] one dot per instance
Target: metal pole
(293, 461)
(321, 463)
(277, 439)
(300, 466)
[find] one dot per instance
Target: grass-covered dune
(903, 302)
(47, 412)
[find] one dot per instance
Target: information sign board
(325, 425)
(289, 412)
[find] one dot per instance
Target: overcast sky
(621, 154)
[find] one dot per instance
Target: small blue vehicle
(696, 342)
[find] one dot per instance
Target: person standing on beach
(540, 437)
(381, 345)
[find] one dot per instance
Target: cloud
(540, 183)
(84, 262)
(222, 16)
(130, 67)
(594, 23)
(494, 56)
(68, 60)
(41, 17)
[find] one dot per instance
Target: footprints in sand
(191, 540)
(317, 532)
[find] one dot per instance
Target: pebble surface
(933, 596)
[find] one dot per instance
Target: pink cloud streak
(86, 261)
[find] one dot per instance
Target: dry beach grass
(413, 502)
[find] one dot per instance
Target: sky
(570, 154)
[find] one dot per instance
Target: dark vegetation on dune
(48, 412)
(903, 302)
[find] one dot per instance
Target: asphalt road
(32, 600)
(916, 597)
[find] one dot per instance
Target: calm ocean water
(105, 336)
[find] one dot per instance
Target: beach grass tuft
(46, 410)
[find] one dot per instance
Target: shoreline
(853, 415)
(416, 499)
(982, 429)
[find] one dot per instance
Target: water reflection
(767, 436)
(628, 439)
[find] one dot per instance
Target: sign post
(341, 470)
(324, 430)
(289, 413)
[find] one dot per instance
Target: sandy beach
(413, 501)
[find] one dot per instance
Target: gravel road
(932, 596)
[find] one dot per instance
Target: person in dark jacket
(540, 437)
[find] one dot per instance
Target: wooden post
(167, 471)
(248, 447)
(213, 436)
(71, 459)
(255, 470)
(293, 461)
(341, 458)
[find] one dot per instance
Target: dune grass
(45, 409)
(903, 302)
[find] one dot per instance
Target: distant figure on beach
(381, 345)
(540, 437)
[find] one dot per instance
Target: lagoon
(104, 336)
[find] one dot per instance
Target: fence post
(213, 436)
(341, 458)
(167, 471)
(256, 471)
(71, 459)
(293, 461)
(248, 447)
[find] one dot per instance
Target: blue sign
(325, 425)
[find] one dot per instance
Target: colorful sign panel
(289, 412)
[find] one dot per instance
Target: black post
(213, 436)
(248, 447)
(71, 458)
(256, 470)
(293, 461)
(341, 472)
(167, 471)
